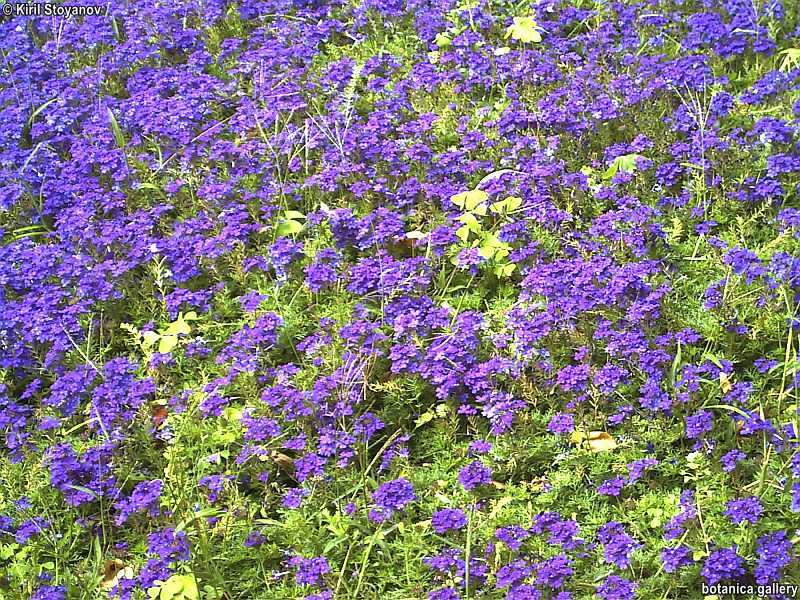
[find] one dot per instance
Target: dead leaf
(595, 441)
(159, 413)
(284, 462)
(725, 383)
(113, 571)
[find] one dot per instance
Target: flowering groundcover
(444, 299)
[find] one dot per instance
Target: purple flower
(29, 528)
(512, 536)
(474, 474)
(617, 545)
(447, 593)
(50, 592)
(143, 498)
(674, 527)
(294, 497)
(309, 571)
(699, 423)
(254, 539)
(674, 558)
(480, 447)
(391, 496)
(554, 571)
(731, 459)
(723, 564)
(611, 487)
(616, 588)
(774, 552)
(744, 509)
(561, 423)
(637, 468)
(447, 519)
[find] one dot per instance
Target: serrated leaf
(499, 505)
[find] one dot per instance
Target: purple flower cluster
(391, 496)
(288, 173)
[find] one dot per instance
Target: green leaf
(508, 205)
(486, 251)
(791, 59)
(469, 200)
(177, 327)
(471, 222)
(290, 227)
(480, 210)
(167, 343)
(525, 30)
(442, 39)
(626, 162)
(293, 214)
(462, 233)
(116, 130)
(514, 203)
(504, 270)
(149, 338)
(425, 417)
(35, 113)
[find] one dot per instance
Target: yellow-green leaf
(167, 343)
(442, 39)
(791, 59)
(504, 270)
(290, 227)
(471, 222)
(596, 441)
(525, 30)
(424, 418)
(469, 200)
(626, 162)
(178, 326)
(179, 587)
(149, 338)
(486, 251)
